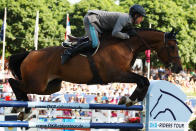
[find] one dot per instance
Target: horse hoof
(126, 100)
(122, 100)
(28, 116)
(21, 116)
(130, 103)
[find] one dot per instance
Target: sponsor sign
(168, 125)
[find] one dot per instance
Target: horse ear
(172, 34)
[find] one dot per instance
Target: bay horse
(40, 72)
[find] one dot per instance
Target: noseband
(166, 39)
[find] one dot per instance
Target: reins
(143, 41)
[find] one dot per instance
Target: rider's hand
(132, 32)
(127, 36)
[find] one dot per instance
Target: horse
(40, 71)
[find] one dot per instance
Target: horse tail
(14, 64)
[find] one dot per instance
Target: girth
(96, 77)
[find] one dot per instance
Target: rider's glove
(126, 36)
(132, 32)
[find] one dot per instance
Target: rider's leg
(93, 36)
(72, 51)
(93, 39)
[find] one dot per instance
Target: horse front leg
(140, 91)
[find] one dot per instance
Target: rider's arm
(121, 22)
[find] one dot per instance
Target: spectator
(104, 97)
(113, 114)
(67, 112)
(71, 99)
(98, 98)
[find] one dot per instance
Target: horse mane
(147, 29)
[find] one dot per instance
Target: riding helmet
(137, 9)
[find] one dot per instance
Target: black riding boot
(72, 51)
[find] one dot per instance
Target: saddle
(75, 41)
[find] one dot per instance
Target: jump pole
(70, 125)
(68, 105)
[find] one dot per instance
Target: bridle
(168, 47)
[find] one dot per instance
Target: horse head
(164, 43)
(168, 52)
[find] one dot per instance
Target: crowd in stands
(111, 93)
(186, 80)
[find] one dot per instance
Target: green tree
(21, 23)
(189, 40)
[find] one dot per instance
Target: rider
(97, 21)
